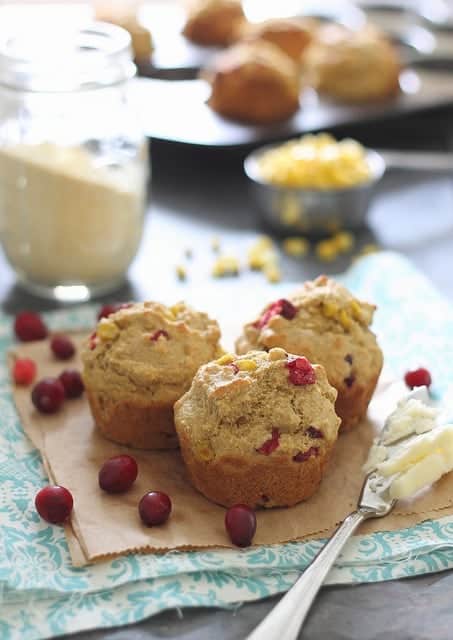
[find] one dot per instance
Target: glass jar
(73, 161)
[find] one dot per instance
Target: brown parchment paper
(106, 525)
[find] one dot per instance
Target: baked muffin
(352, 66)
(255, 83)
(325, 323)
(139, 361)
(257, 429)
(214, 22)
(291, 35)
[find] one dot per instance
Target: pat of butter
(411, 416)
(422, 474)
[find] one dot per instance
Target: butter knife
(285, 620)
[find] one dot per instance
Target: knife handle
(285, 620)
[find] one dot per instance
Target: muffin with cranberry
(327, 324)
(214, 22)
(291, 35)
(257, 429)
(139, 361)
(254, 82)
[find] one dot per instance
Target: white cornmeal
(65, 217)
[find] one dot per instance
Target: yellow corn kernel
(369, 248)
(326, 250)
(181, 272)
(330, 309)
(261, 253)
(107, 330)
(246, 365)
(344, 319)
(296, 247)
(343, 241)
(277, 354)
(272, 273)
(356, 310)
(227, 358)
(204, 453)
(176, 309)
(225, 266)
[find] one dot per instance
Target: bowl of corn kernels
(314, 184)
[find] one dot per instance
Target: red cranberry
(93, 341)
(118, 474)
(301, 371)
(108, 309)
(240, 523)
(54, 504)
(282, 307)
(348, 358)
(418, 378)
(157, 334)
(270, 445)
(29, 326)
(154, 508)
(349, 381)
(48, 395)
(234, 367)
(72, 383)
(24, 371)
(62, 347)
(305, 455)
(314, 433)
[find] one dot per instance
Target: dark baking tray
(176, 111)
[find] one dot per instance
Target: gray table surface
(198, 194)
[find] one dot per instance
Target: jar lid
(65, 59)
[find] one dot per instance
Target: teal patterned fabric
(43, 596)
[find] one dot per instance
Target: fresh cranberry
(29, 326)
(72, 383)
(154, 508)
(48, 395)
(234, 367)
(24, 371)
(54, 504)
(305, 455)
(348, 358)
(349, 381)
(118, 474)
(301, 371)
(270, 445)
(314, 433)
(282, 307)
(418, 378)
(157, 334)
(93, 341)
(240, 523)
(62, 347)
(108, 309)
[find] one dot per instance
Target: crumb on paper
(326, 251)
(181, 272)
(225, 266)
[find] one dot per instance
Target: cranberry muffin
(291, 35)
(353, 66)
(214, 22)
(257, 429)
(326, 324)
(139, 361)
(254, 82)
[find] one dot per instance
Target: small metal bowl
(312, 211)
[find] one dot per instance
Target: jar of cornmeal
(73, 160)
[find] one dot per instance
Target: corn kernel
(181, 272)
(176, 309)
(356, 310)
(277, 354)
(343, 241)
(227, 358)
(246, 365)
(344, 319)
(225, 266)
(329, 309)
(205, 453)
(369, 248)
(296, 247)
(272, 273)
(107, 330)
(326, 250)
(262, 252)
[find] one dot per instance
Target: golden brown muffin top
(148, 345)
(291, 35)
(259, 404)
(214, 22)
